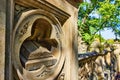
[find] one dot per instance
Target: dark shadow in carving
(41, 32)
(75, 3)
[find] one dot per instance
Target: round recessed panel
(37, 46)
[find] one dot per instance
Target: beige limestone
(2, 38)
(2, 51)
(69, 29)
(70, 35)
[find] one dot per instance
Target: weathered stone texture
(2, 43)
(2, 38)
(70, 36)
(63, 15)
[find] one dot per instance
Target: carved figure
(38, 46)
(41, 32)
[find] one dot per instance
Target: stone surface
(66, 13)
(2, 38)
(82, 46)
(2, 51)
(70, 38)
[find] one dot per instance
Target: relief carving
(24, 29)
(61, 77)
(18, 9)
(41, 32)
(38, 47)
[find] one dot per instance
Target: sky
(107, 34)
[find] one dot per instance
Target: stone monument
(41, 40)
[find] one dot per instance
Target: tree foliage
(96, 15)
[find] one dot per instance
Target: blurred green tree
(95, 15)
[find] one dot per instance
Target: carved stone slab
(35, 55)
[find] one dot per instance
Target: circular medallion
(37, 46)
